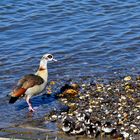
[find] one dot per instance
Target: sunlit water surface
(89, 38)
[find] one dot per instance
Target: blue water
(88, 37)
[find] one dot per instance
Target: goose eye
(50, 56)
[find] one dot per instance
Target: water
(89, 38)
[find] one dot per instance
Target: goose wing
(26, 82)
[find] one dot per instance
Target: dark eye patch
(50, 56)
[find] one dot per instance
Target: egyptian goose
(32, 84)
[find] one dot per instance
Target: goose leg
(29, 104)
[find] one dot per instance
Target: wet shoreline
(117, 102)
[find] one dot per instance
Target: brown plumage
(26, 82)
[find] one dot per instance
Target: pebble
(123, 97)
(125, 134)
(82, 97)
(138, 105)
(65, 101)
(119, 115)
(83, 85)
(133, 126)
(127, 78)
(54, 117)
(70, 92)
(136, 130)
(90, 110)
(115, 102)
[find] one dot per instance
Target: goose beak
(54, 60)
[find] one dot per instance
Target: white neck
(43, 71)
(43, 64)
